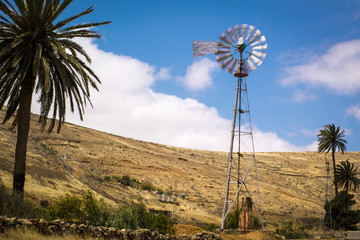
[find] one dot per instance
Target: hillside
(292, 184)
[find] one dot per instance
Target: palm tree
(332, 138)
(37, 54)
(346, 176)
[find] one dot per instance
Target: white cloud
(300, 96)
(271, 142)
(354, 110)
(198, 75)
(164, 74)
(310, 132)
(127, 106)
(338, 69)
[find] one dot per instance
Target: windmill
(239, 51)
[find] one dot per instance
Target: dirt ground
(257, 235)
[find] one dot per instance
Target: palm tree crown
(346, 176)
(37, 54)
(332, 138)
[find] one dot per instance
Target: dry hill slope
(291, 184)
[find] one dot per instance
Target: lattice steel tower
(327, 219)
(239, 50)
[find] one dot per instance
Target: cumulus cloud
(127, 106)
(198, 75)
(354, 110)
(271, 142)
(337, 69)
(300, 96)
(164, 74)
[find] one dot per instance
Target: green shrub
(211, 227)
(232, 221)
(257, 223)
(107, 178)
(125, 180)
(342, 214)
(147, 186)
(86, 209)
(162, 224)
(291, 231)
(67, 208)
(90, 208)
(160, 191)
(15, 205)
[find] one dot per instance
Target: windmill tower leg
(241, 154)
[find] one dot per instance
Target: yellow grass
(292, 184)
(31, 235)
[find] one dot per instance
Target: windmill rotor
(239, 45)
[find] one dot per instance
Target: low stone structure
(59, 227)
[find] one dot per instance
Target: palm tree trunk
(23, 127)
(347, 196)
(333, 158)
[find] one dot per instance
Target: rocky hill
(292, 184)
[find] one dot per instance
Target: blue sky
(153, 89)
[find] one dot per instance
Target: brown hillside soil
(292, 184)
(258, 235)
(181, 229)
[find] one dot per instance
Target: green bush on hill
(343, 217)
(85, 208)
(291, 231)
(232, 220)
(14, 205)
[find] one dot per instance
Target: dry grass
(292, 184)
(32, 235)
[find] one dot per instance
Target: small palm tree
(37, 54)
(331, 138)
(346, 176)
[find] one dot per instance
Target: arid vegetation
(293, 185)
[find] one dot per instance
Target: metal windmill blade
(238, 44)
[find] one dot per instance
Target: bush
(291, 231)
(211, 227)
(162, 224)
(74, 208)
(342, 215)
(232, 221)
(147, 186)
(257, 223)
(86, 209)
(67, 208)
(15, 205)
(125, 180)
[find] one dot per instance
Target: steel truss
(241, 154)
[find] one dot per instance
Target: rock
(55, 222)
(25, 224)
(59, 227)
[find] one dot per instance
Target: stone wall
(58, 227)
